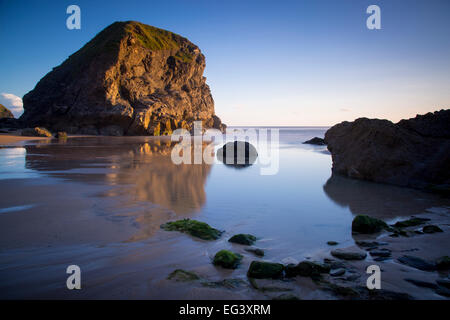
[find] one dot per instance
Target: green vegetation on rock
(264, 270)
(194, 228)
(365, 224)
(241, 238)
(183, 275)
(227, 259)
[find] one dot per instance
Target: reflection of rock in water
(238, 154)
(379, 200)
(147, 185)
(155, 178)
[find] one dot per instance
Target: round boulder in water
(237, 154)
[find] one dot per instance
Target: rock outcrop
(5, 112)
(412, 153)
(130, 79)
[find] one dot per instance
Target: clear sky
(272, 63)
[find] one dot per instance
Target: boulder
(265, 270)
(306, 269)
(412, 153)
(316, 141)
(349, 254)
(241, 238)
(130, 79)
(193, 227)
(227, 259)
(237, 154)
(431, 229)
(365, 224)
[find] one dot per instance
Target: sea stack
(130, 79)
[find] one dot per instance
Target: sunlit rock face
(130, 79)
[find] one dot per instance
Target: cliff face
(130, 79)
(5, 112)
(413, 153)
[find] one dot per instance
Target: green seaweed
(194, 228)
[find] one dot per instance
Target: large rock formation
(413, 153)
(130, 79)
(5, 112)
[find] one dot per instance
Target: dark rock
(370, 244)
(306, 269)
(380, 253)
(443, 292)
(443, 263)
(194, 228)
(423, 284)
(410, 222)
(286, 296)
(183, 276)
(417, 263)
(36, 132)
(130, 79)
(349, 254)
(316, 141)
(443, 283)
(237, 154)
(245, 239)
(225, 283)
(262, 270)
(365, 224)
(431, 229)
(332, 243)
(337, 272)
(227, 259)
(413, 153)
(256, 251)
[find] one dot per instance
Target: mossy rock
(183, 276)
(194, 228)
(241, 238)
(36, 132)
(265, 270)
(227, 259)
(5, 112)
(365, 224)
(431, 229)
(410, 222)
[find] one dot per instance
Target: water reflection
(379, 200)
(143, 181)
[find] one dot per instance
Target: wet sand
(99, 202)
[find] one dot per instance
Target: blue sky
(267, 62)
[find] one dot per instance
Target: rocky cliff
(413, 153)
(130, 79)
(5, 112)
